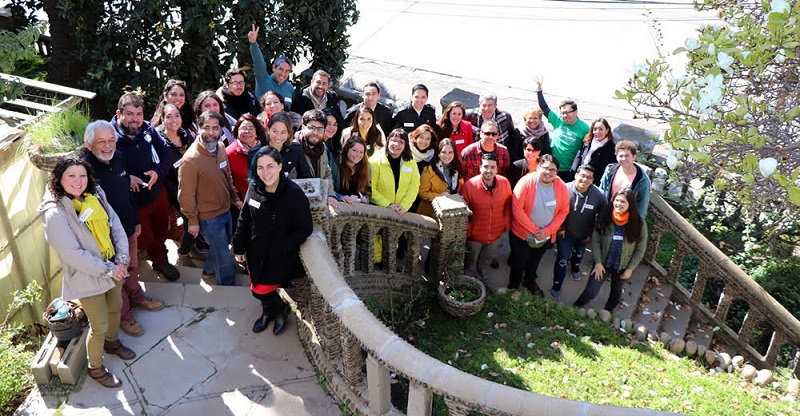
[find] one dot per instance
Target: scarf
(620, 218)
(420, 156)
(450, 177)
(588, 152)
(240, 103)
(539, 131)
(91, 213)
(313, 152)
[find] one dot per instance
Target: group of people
(224, 165)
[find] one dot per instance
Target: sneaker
(185, 260)
(210, 278)
(131, 327)
(555, 294)
(150, 304)
(169, 271)
(576, 275)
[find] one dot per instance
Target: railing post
(379, 387)
(752, 318)
(352, 361)
(775, 345)
(723, 305)
(332, 334)
(448, 252)
(700, 283)
(675, 263)
(420, 400)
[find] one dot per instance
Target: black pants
(593, 287)
(524, 261)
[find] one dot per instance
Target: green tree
(15, 48)
(733, 109)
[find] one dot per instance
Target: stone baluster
(454, 408)
(420, 399)
(676, 263)
(752, 319)
(332, 334)
(348, 238)
(775, 345)
(378, 386)
(367, 243)
(654, 239)
(725, 301)
(352, 360)
(700, 283)
(317, 307)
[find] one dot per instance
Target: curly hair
(444, 123)
(261, 132)
(198, 105)
(54, 181)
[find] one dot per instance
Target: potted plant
(458, 294)
(56, 135)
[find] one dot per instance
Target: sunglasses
(491, 133)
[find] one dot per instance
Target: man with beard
(110, 170)
(236, 100)
(149, 159)
(314, 150)
(281, 69)
(205, 194)
(318, 96)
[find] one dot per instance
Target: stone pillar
(378, 386)
(448, 250)
(420, 400)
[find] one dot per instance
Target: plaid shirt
(471, 159)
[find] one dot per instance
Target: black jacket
(116, 182)
(407, 118)
(301, 103)
(270, 229)
(382, 116)
(601, 158)
(241, 105)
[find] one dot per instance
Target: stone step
(701, 333)
(676, 320)
(631, 293)
(652, 306)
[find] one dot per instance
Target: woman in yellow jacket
(395, 179)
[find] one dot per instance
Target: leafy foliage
(733, 116)
(59, 132)
(17, 347)
(16, 54)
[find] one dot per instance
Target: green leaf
(701, 157)
(749, 178)
(783, 180)
(679, 50)
(794, 194)
(750, 162)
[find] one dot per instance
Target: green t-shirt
(566, 140)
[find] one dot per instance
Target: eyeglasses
(565, 112)
(316, 129)
(247, 128)
(490, 133)
(237, 83)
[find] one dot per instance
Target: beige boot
(185, 261)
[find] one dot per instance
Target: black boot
(281, 312)
(263, 321)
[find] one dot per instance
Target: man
(568, 132)
(472, 154)
(318, 96)
(488, 196)
(148, 159)
(236, 100)
(315, 152)
(586, 201)
(205, 194)
(627, 173)
(281, 69)
(417, 113)
(111, 173)
(488, 112)
(371, 94)
(539, 206)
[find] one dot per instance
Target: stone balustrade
(716, 266)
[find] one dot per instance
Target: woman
(618, 243)
(279, 133)
(532, 149)
(365, 126)
(597, 150)
(333, 141)
(533, 128)
(250, 135)
(274, 103)
(178, 140)
(275, 220)
(453, 125)
(395, 179)
(353, 184)
(441, 177)
(209, 100)
(423, 145)
(175, 92)
(91, 244)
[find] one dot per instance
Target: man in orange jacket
(539, 206)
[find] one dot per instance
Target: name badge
(618, 238)
(408, 124)
(85, 215)
(223, 164)
(460, 141)
(588, 206)
(255, 204)
(550, 204)
(407, 169)
(177, 164)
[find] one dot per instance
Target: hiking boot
(185, 260)
(131, 327)
(198, 253)
(116, 348)
(169, 271)
(534, 288)
(150, 304)
(210, 278)
(105, 378)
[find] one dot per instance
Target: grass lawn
(547, 348)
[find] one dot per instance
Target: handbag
(65, 319)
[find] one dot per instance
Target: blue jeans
(218, 232)
(571, 251)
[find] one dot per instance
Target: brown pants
(103, 311)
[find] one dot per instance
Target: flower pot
(47, 161)
(457, 307)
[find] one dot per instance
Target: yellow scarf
(91, 213)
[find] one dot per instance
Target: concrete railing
(762, 307)
(358, 355)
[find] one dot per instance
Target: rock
(763, 377)
(710, 357)
(641, 332)
(664, 338)
(470, 100)
(737, 361)
(591, 314)
(701, 350)
(724, 360)
(749, 372)
(793, 388)
(582, 312)
(691, 348)
(677, 346)
(616, 322)
(605, 315)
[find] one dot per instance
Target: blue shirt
(266, 82)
